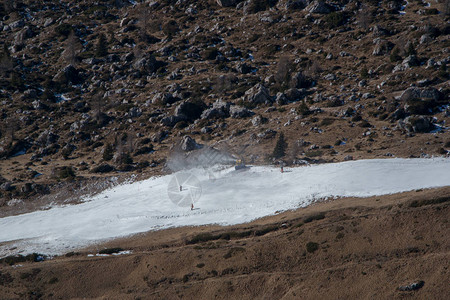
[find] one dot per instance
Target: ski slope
(226, 197)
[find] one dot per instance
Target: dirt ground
(341, 249)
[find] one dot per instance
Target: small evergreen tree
(101, 49)
(280, 147)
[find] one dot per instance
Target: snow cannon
(240, 165)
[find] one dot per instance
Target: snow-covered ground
(222, 196)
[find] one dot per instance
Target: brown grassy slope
(367, 248)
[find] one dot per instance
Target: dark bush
(103, 168)
(65, 172)
(110, 250)
(210, 53)
(419, 203)
(311, 218)
(266, 230)
(170, 28)
(335, 19)
(311, 247)
(63, 29)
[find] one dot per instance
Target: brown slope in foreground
(366, 249)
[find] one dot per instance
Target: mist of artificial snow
(227, 197)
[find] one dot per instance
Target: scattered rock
(258, 95)
(240, 112)
(413, 286)
(319, 7)
(419, 124)
(189, 144)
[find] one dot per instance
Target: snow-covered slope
(221, 196)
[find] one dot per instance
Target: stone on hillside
(417, 93)
(163, 99)
(295, 94)
(281, 99)
(189, 144)
(239, 112)
(319, 7)
(258, 95)
(418, 124)
(68, 75)
(227, 3)
(170, 121)
(382, 47)
(220, 109)
(159, 136)
(190, 110)
(292, 4)
(300, 81)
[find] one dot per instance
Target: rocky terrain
(108, 89)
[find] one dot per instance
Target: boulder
(419, 124)
(281, 99)
(295, 94)
(227, 3)
(292, 4)
(240, 112)
(299, 80)
(69, 74)
(159, 136)
(258, 95)
(189, 110)
(164, 99)
(418, 93)
(189, 144)
(220, 109)
(170, 121)
(319, 7)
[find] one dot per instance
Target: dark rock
(281, 99)
(227, 3)
(243, 68)
(103, 168)
(69, 75)
(164, 98)
(191, 111)
(299, 80)
(295, 94)
(319, 7)
(413, 93)
(6, 186)
(419, 124)
(159, 136)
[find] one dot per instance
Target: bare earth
(366, 249)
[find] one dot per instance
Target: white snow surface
(231, 198)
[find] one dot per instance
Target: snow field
(227, 197)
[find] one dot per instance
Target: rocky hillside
(108, 88)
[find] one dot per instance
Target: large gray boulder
(189, 144)
(319, 7)
(419, 124)
(418, 93)
(240, 112)
(219, 109)
(258, 95)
